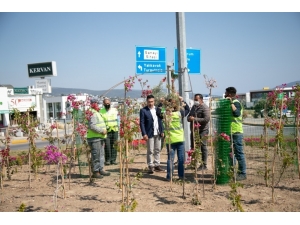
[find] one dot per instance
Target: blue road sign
(150, 60)
(193, 61)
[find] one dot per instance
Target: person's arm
(182, 113)
(93, 125)
(236, 109)
(186, 109)
(160, 127)
(142, 122)
(158, 113)
(206, 116)
(191, 114)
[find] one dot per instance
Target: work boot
(240, 177)
(97, 175)
(202, 167)
(158, 169)
(151, 170)
(104, 173)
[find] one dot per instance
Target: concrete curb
(22, 141)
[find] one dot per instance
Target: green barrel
(222, 147)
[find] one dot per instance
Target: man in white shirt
(152, 132)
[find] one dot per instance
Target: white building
(57, 107)
(20, 99)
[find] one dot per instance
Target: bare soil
(152, 192)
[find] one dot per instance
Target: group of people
(103, 132)
(155, 132)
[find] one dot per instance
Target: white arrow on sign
(139, 53)
(140, 67)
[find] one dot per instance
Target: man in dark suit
(152, 132)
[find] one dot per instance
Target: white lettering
(151, 54)
(40, 69)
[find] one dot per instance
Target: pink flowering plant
(27, 123)
(281, 149)
(81, 114)
(5, 158)
(54, 156)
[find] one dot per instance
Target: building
(58, 107)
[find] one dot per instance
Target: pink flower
(197, 125)
(53, 156)
(225, 137)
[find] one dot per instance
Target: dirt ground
(152, 192)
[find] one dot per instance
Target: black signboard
(44, 69)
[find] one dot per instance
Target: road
(249, 130)
(25, 146)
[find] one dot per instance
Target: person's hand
(191, 118)
(162, 134)
(229, 98)
(145, 137)
(104, 131)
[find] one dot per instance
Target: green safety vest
(237, 122)
(100, 124)
(110, 118)
(175, 130)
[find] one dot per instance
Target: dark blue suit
(147, 123)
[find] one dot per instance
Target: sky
(248, 47)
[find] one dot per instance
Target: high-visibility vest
(100, 124)
(110, 118)
(237, 122)
(174, 133)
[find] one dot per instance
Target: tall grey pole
(169, 78)
(182, 71)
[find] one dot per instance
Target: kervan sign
(44, 69)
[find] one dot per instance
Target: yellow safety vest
(237, 122)
(110, 118)
(100, 124)
(174, 133)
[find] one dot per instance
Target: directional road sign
(150, 60)
(193, 61)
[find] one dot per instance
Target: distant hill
(291, 84)
(57, 91)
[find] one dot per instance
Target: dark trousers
(97, 153)
(110, 151)
(203, 135)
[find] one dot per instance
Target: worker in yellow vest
(96, 135)
(174, 137)
(110, 116)
(237, 132)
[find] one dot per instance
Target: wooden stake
(29, 158)
(121, 171)
(61, 163)
(127, 176)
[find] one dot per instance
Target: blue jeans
(179, 146)
(97, 153)
(239, 152)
